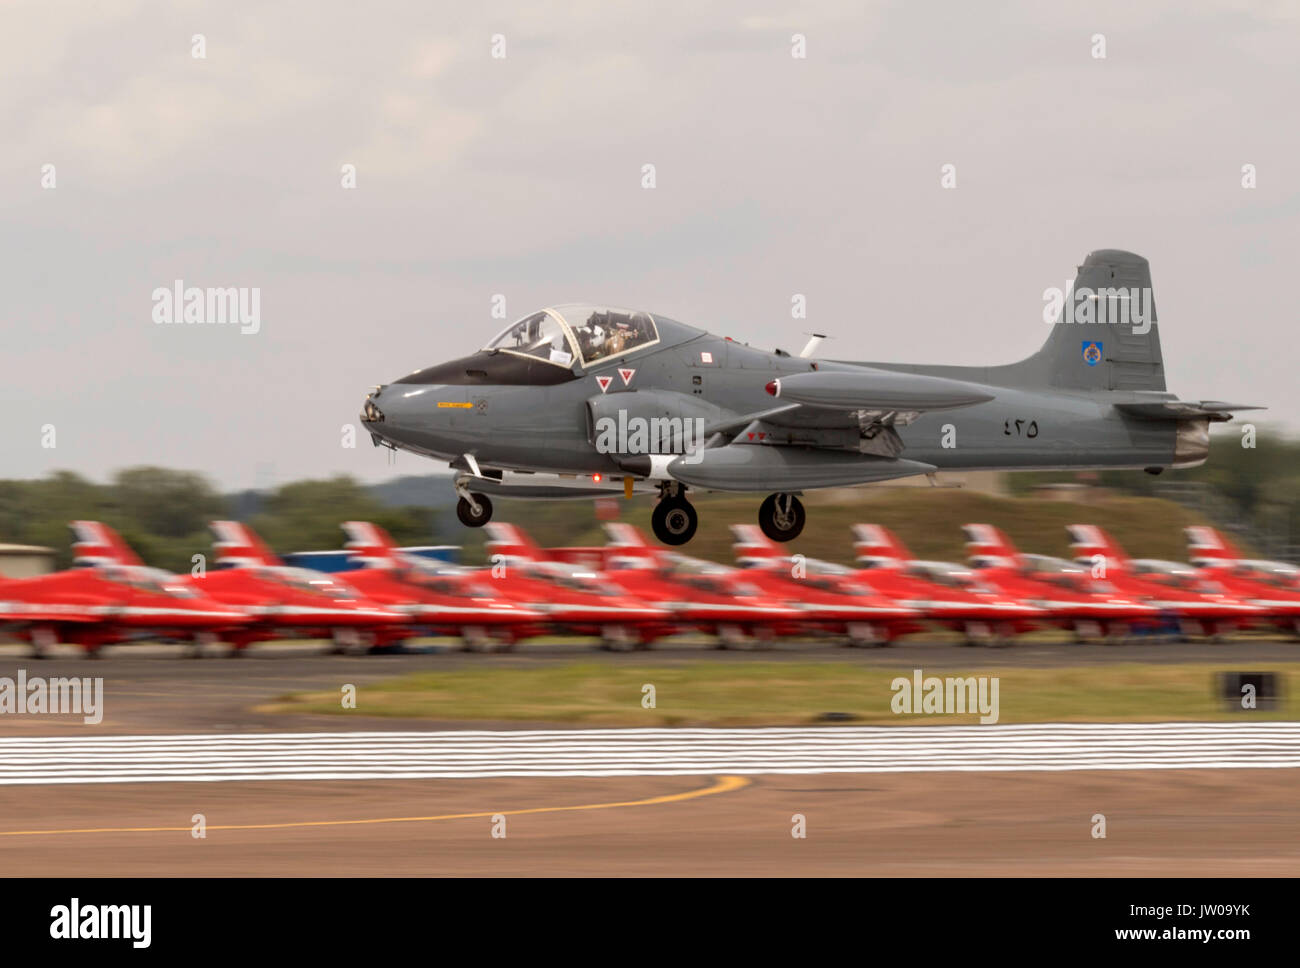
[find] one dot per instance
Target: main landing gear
(674, 519)
(781, 516)
(474, 510)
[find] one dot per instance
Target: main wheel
(470, 517)
(674, 521)
(781, 516)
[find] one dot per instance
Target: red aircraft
(112, 597)
(827, 599)
(439, 603)
(1273, 586)
(573, 601)
(1197, 604)
(701, 596)
(285, 602)
(945, 593)
(1064, 590)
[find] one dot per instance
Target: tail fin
(1207, 547)
(752, 547)
(1106, 336)
(991, 544)
(98, 544)
(877, 546)
(629, 547)
(511, 542)
(1090, 541)
(370, 544)
(239, 546)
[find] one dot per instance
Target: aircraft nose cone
(370, 410)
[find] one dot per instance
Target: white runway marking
(646, 752)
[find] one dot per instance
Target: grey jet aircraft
(584, 401)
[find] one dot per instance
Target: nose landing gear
(781, 516)
(674, 519)
(474, 510)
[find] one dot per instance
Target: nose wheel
(781, 516)
(674, 520)
(474, 510)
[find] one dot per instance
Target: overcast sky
(522, 176)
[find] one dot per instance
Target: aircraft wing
(859, 402)
(829, 428)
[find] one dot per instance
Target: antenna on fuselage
(814, 341)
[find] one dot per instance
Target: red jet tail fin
(990, 544)
(878, 547)
(628, 547)
(753, 548)
(238, 545)
(98, 544)
(510, 541)
(1091, 542)
(1208, 547)
(370, 544)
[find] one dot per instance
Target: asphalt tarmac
(1224, 821)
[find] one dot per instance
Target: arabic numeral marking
(1022, 429)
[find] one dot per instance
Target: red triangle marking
(604, 382)
(751, 436)
(626, 375)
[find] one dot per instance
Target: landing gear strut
(474, 510)
(674, 520)
(781, 516)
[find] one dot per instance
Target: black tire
(781, 526)
(471, 519)
(674, 521)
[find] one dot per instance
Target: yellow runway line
(724, 784)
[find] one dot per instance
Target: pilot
(592, 338)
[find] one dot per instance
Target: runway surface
(469, 754)
(1210, 823)
(83, 800)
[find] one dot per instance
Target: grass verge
(785, 693)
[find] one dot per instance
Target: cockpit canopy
(587, 334)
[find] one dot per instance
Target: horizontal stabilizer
(1215, 410)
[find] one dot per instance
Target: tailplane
(990, 546)
(877, 547)
(370, 544)
(238, 546)
(98, 544)
(753, 548)
(512, 544)
(1090, 543)
(1207, 547)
